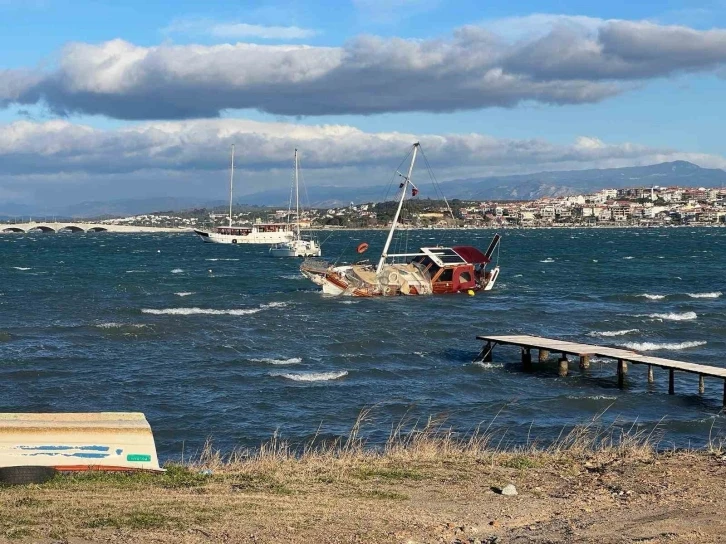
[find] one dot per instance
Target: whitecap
(613, 333)
(685, 316)
(293, 277)
(652, 297)
(628, 258)
(274, 305)
(311, 376)
(482, 364)
(715, 294)
(548, 260)
(221, 259)
(184, 293)
(21, 268)
(112, 325)
(177, 271)
(593, 397)
(653, 346)
(199, 311)
(517, 276)
(595, 261)
(269, 361)
(349, 301)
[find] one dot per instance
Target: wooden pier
(545, 346)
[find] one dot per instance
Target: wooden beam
(622, 370)
(650, 374)
(584, 361)
(543, 355)
(563, 366)
(701, 385)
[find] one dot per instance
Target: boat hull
(296, 248)
(251, 238)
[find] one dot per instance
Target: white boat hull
(296, 248)
(251, 238)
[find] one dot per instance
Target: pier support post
(563, 366)
(584, 362)
(724, 393)
(527, 359)
(488, 352)
(671, 382)
(622, 371)
(701, 385)
(650, 374)
(543, 355)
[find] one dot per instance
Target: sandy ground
(673, 498)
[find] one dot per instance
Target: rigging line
(395, 173)
(438, 190)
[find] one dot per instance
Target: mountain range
(511, 187)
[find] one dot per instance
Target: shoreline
(586, 488)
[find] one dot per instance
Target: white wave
(482, 364)
(652, 297)
(274, 305)
(311, 376)
(210, 311)
(685, 316)
(349, 301)
(290, 361)
(184, 293)
(652, 346)
(595, 261)
(112, 325)
(628, 258)
(221, 259)
(593, 397)
(177, 271)
(613, 333)
(715, 294)
(548, 260)
(517, 276)
(293, 276)
(21, 268)
(199, 311)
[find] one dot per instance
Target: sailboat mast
(297, 199)
(398, 211)
(231, 187)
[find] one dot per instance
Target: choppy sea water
(226, 342)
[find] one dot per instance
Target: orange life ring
(362, 247)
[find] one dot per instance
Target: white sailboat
(299, 246)
(251, 233)
(430, 271)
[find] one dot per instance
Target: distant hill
(520, 187)
(514, 187)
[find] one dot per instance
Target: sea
(227, 344)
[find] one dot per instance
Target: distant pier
(583, 352)
(80, 226)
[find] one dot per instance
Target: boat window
(447, 275)
(465, 277)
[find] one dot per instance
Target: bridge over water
(79, 226)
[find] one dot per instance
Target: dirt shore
(608, 497)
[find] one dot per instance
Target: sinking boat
(430, 271)
(299, 246)
(252, 233)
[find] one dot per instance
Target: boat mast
(231, 186)
(406, 181)
(297, 199)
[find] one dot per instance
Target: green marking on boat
(138, 457)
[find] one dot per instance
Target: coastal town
(639, 206)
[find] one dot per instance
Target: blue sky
(668, 112)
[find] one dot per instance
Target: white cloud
(190, 157)
(553, 60)
(237, 30)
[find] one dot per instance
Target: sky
(121, 100)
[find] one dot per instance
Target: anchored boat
(432, 270)
(299, 246)
(252, 233)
